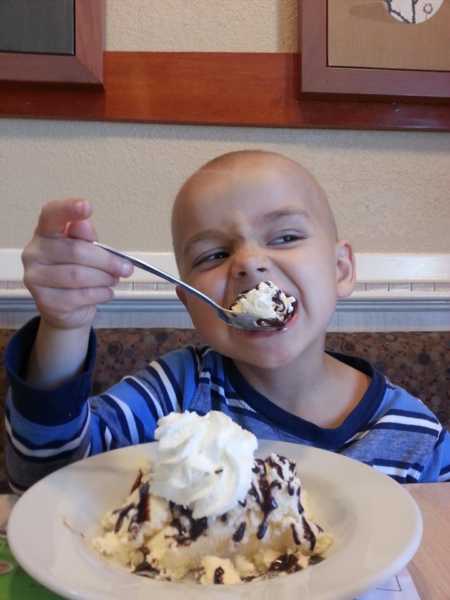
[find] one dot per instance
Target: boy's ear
(345, 269)
(181, 295)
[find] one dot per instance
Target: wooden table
(430, 567)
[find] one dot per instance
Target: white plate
(376, 525)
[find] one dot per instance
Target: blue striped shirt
(389, 429)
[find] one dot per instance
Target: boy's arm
(47, 429)
(56, 355)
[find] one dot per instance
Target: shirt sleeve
(47, 429)
(438, 467)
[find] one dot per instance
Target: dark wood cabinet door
(52, 41)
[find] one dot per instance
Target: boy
(242, 218)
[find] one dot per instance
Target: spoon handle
(163, 274)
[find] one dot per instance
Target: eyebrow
(286, 212)
(199, 237)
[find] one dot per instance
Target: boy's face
(260, 219)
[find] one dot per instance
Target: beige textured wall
(390, 190)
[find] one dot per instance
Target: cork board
(382, 49)
(396, 34)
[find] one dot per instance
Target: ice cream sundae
(270, 306)
(207, 510)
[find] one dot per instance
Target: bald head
(228, 175)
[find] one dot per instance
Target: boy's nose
(248, 265)
(243, 272)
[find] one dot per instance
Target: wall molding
(246, 89)
(394, 292)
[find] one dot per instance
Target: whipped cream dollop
(266, 302)
(203, 462)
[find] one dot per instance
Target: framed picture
(52, 41)
(376, 48)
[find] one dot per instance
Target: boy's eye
(210, 258)
(285, 238)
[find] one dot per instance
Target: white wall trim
(394, 292)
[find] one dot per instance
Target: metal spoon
(238, 320)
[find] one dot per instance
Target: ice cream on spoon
(267, 304)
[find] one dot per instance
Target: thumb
(55, 216)
(82, 230)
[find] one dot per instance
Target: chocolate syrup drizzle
(122, 513)
(218, 575)
(137, 481)
(309, 534)
(297, 540)
(263, 495)
(285, 563)
(262, 492)
(142, 509)
(145, 568)
(189, 529)
(239, 533)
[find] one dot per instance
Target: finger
(68, 251)
(62, 302)
(68, 277)
(56, 214)
(82, 230)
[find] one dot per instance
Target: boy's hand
(66, 274)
